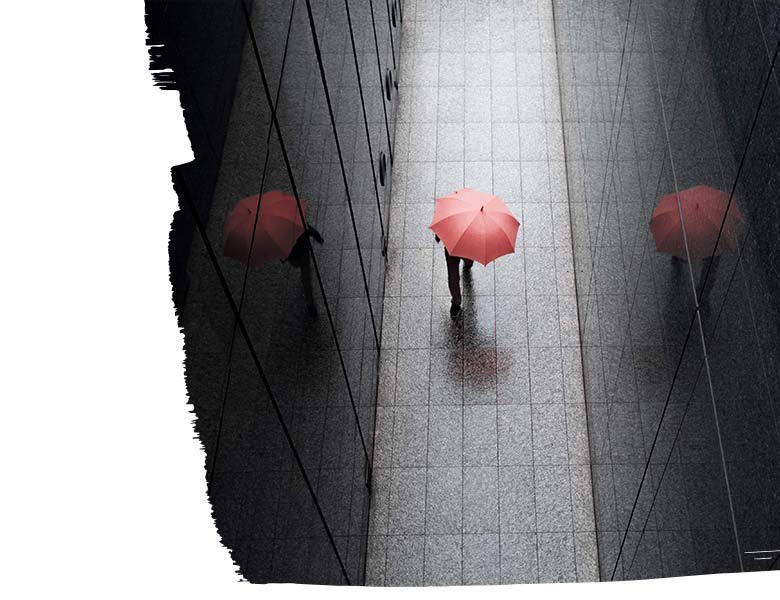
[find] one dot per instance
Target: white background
(102, 479)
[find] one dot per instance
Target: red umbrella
(703, 209)
(278, 227)
(475, 225)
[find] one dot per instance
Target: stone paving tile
(517, 502)
(514, 435)
(404, 566)
(482, 472)
(443, 559)
(480, 436)
(480, 559)
(480, 500)
(556, 557)
(518, 558)
(444, 509)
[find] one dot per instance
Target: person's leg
(712, 263)
(453, 279)
(308, 293)
(468, 263)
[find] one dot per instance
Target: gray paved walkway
(482, 469)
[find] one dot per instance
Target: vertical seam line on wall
(295, 190)
(576, 288)
(311, 251)
(365, 123)
(357, 243)
(527, 332)
(321, 65)
(596, 256)
(381, 86)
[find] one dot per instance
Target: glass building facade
(681, 357)
(297, 97)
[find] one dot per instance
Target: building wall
(681, 378)
(284, 400)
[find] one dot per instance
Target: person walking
(453, 278)
(300, 257)
(702, 290)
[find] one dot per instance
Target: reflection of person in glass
(708, 262)
(299, 257)
(697, 224)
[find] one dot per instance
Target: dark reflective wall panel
(681, 355)
(284, 381)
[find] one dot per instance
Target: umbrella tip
(482, 208)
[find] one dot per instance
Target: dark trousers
(711, 262)
(305, 268)
(453, 274)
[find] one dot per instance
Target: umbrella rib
(442, 220)
(500, 227)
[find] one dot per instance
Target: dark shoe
(454, 310)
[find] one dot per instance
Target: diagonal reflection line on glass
(687, 405)
(626, 339)
(245, 334)
(379, 73)
(612, 131)
(748, 296)
(215, 452)
(324, 79)
(743, 159)
(365, 122)
(223, 407)
(595, 256)
(763, 39)
(215, 156)
(655, 195)
(655, 441)
(609, 193)
(697, 317)
(288, 167)
(697, 313)
(708, 270)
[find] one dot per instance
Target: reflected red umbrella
(475, 225)
(276, 228)
(703, 210)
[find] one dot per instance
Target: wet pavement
(481, 466)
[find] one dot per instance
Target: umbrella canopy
(276, 228)
(475, 225)
(703, 210)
